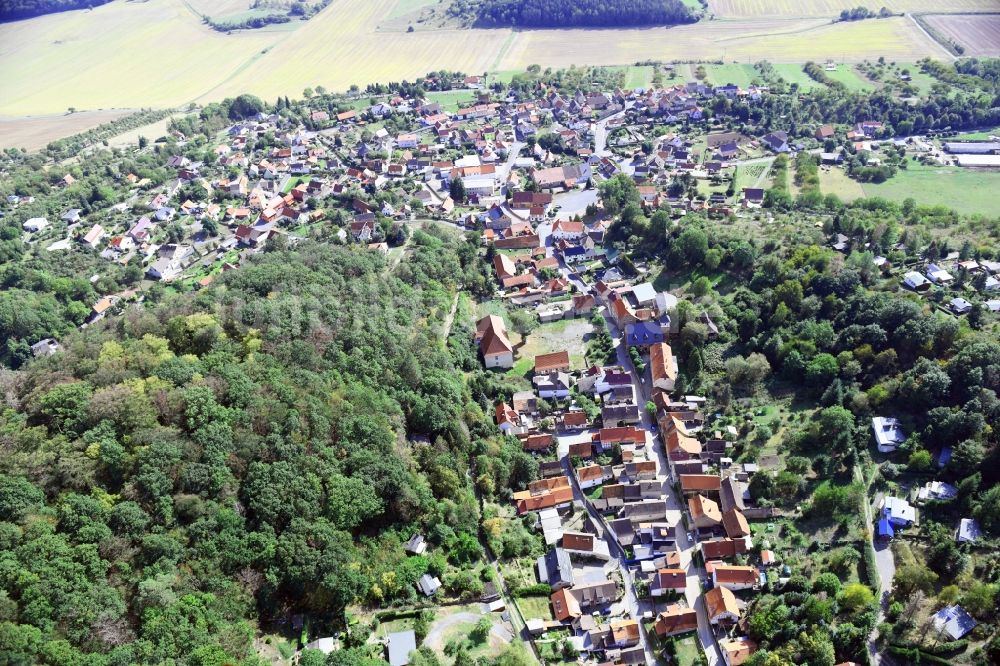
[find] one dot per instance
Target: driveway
(574, 202)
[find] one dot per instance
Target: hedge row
(536, 590)
(916, 656)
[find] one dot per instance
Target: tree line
(11, 10)
(584, 13)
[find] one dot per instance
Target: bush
(871, 569)
(536, 590)
(914, 656)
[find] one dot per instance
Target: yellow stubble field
(747, 40)
(830, 8)
(119, 55)
(341, 47)
(157, 53)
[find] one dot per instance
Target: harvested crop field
(809, 8)
(780, 40)
(118, 55)
(979, 34)
(67, 59)
(36, 132)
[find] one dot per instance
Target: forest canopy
(191, 470)
(11, 10)
(583, 13)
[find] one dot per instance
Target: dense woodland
(232, 457)
(11, 10)
(582, 14)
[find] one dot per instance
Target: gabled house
(736, 651)
(704, 512)
(735, 524)
(585, 545)
(591, 476)
(554, 362)
(643, 334)
(556, 569)
(668, 580)
(93, 237)
(776, 142)
(662, 367)
(552, 385)
(916, 281)
(722, 607)
(693, 484)
(676, 620)
(888, 433)
(507, 419)
(954, 622)
(735, 577)
(494, 346)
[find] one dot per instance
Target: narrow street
(675, 509)
(886, 564)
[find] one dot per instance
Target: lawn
(982, 135)
(535, 607)
(965, 190)
(565, 334)
(452, 100)
(66, 59)
(688, 652)
(794, 74)
(833, 180)
(850, 77)
(752, 175)
(741, 75)
(639, 77)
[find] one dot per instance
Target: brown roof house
(735, 577)
(676, 620)
(668, 580)
(495, 347)
(704, 512)
(662, 367)
(737, 650)
(554, 362)
(692, 484)
(735, 524)
(585, 545)
(544, 494)
(721, 606)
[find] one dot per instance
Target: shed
(400, 645)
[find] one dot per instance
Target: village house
(888, 433)
(722, 607)
(585, 545)
(554, 362)
(693, 484)
(494, 346)
(668, 581)
(544, 494)
(556, 569)
(704, 512)
(676, 620)
(507, 419)
(92, 238)
(736, 651)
